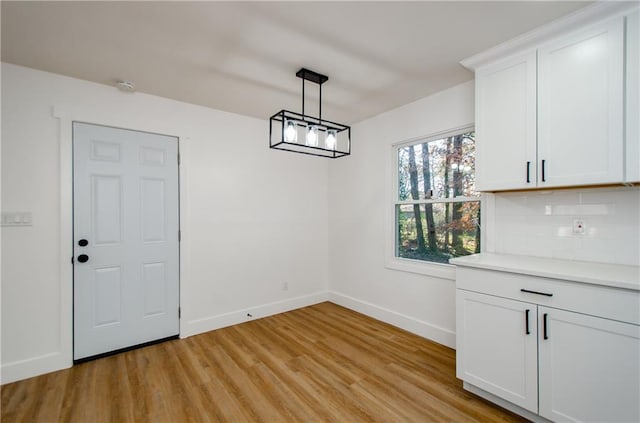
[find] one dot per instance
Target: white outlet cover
(579, 227)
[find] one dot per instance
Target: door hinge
(179, 312)
(179, 235)
(178, 159)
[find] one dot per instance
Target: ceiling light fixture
(299, 133)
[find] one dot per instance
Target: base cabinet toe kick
(549, 349)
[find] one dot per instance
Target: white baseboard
(30, 367)
(410, 324)
(196, 326)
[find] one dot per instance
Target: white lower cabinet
(589, 368)
(499, 347)
(518, 341)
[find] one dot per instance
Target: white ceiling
(242, 56)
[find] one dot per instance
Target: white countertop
(614, 275)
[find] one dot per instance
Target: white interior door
(125, 196)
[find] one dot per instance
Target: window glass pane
(437, 232)
(442, 168)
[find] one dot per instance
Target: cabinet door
(580, 107)
(589, 368)
(495, 350)
(506, 124)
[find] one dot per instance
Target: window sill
(436, 270)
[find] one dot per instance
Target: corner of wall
(426, 330)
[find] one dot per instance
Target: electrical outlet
(579, 227)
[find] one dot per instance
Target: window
(437, 211)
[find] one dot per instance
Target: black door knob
(83, 258)
(83, 243)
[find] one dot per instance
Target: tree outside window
(437, 208)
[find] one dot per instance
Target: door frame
(65, 119)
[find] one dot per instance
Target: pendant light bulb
(330, 139)
(312, 136)
(290, 131)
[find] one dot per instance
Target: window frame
(393, 262)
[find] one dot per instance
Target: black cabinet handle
(546, 294)
(82, 258)
(83, 243)
(543, 176)
(526, 321)
(544, 326)
(528, 172)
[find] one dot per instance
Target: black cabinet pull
(526, 321)
(543, 176)
(528, 172)
(546, 294)
(83, 243)
(544, 326)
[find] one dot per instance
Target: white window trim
(437, 270)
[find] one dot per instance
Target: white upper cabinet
(559, 107)
(506, 124)
(580, 107)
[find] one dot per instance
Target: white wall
(357, 227)
(252, 218)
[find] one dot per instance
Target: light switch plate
(16, 219)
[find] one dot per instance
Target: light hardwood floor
(322, 363)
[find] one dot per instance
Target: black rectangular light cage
(300, 133)
(277, 139)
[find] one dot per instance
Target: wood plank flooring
(322, 363)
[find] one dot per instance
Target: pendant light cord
(320, 106)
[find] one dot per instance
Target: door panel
(105, 151)
(580, 115)
(589, 368)
(126, 206)
(108, 300)
(496, 347)
(152, 156)
(506, 124)
(106, 194)
(155, 287)
(152, 210)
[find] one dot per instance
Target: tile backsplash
(587, 224)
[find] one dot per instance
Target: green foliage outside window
(437, 209)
